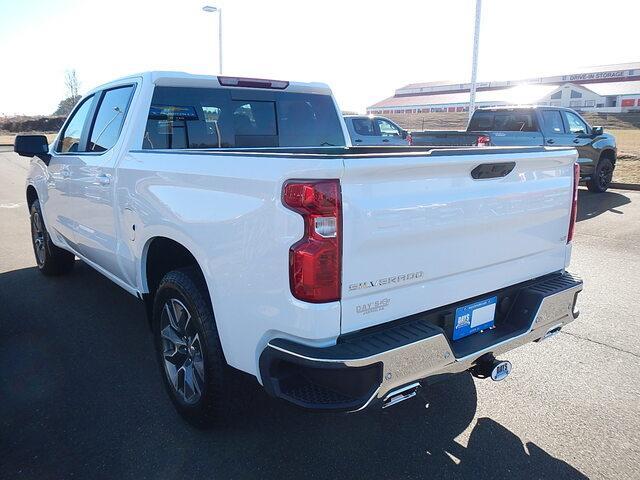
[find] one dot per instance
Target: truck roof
(519, 107)
(183, 79)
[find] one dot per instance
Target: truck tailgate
(444, 138)
(502, 139)
(419, 232)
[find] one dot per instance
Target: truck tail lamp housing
(574, 202)
(315, 261)
(483, 141)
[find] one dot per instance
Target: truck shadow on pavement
(81, 396)
(590, 205)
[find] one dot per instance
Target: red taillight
(574, 203)
(315, 261)
(483, 141)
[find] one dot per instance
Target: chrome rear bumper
(365, 368)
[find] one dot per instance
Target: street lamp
(208, 8)
(474, 61)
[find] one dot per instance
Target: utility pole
(474, 64)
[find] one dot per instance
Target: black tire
(186, 288)
(51, 260)
(602, 176)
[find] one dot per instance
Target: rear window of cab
(503, 120)
(187, 117)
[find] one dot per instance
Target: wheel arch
(160, 255)
(32, 195)
(608, 153)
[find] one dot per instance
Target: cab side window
(387, 129)
(70, 137)
(576, 125)
(109, 119)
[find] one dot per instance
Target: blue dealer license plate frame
(475, 317)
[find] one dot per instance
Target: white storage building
(605, 88)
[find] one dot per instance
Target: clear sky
(364, 49)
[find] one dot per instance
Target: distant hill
(24, 124)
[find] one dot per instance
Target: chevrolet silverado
(259, 239)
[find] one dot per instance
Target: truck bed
(359, 151)
(465, 138)
(422, 227)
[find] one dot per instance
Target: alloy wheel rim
(606, 174)
(181, 351)
(37, 234)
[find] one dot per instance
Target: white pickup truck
(260, 239)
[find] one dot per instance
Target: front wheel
(51, 260)
(188, 347)
(602, 176)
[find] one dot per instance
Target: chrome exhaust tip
(552, 332)
(400, 395)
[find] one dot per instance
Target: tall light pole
(208, 8)
(474, 64)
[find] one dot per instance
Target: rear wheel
(188, 347)
(602, 176)
(51, 260)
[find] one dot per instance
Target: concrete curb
(625, 186)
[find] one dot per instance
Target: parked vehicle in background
(338, 276)
(535, 125)
(374, 130)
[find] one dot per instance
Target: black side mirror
(595, 131)
(32, 146)
(404, 134)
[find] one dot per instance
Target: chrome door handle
(551, 140)
(103, 179)
(386, 140)
(576, 141)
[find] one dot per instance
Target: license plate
(472, 318)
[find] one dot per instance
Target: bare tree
(72, 83)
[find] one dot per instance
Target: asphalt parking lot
(81, 394)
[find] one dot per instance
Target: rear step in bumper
(374, 367)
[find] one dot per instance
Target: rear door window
(185, 117)
(363, 126)
(552, 122)
(109, 119)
